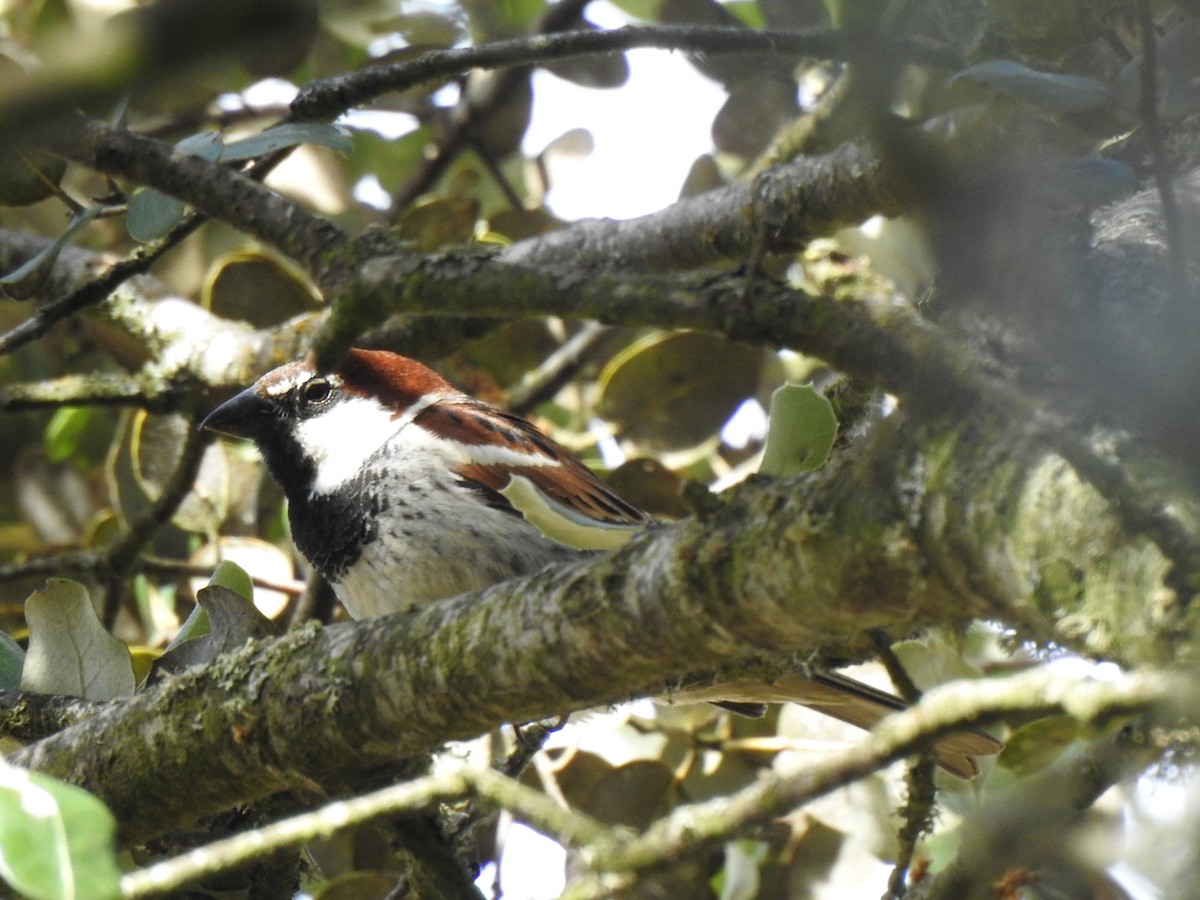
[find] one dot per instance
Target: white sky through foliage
(666, 103)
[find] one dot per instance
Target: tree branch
(1156, 140)
(215, 190)
(776, 568)
(780, 210)
(1041, 692)
(413, 796)
(332, 96)
(691, 828)
(890, 348)
(27, 716)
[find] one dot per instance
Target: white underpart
(461, 544)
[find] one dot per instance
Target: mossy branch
(614, 857)
(801, 568)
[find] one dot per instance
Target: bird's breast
(387, 543)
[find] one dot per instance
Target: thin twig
(901, 680)
(176, 568)
(557, 370)
(471, 116)
(315, 602)
(1156, 140)
(122, 555)
(532, 805)
(55, 564)
(332, 96)
(1041, 691)
(97, 289)
(918, 820)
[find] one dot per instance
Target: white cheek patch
(343, 438)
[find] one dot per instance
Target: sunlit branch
(533, 806)
(689, 828)
(85, 390)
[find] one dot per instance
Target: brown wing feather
(574, 488)
(562, 478)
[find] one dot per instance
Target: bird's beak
(244, 415)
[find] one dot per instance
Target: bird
(403, 490)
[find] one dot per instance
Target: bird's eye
(316, 391)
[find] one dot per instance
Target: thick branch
(889, 348)
(215, 190)
(803, 568)
(29, 717)
(780, 210)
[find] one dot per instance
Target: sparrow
(403, 491)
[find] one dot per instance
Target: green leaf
(204, 144)
(25, 280)
(673, 391)
(74, 429)
(230, 575)
(227, 574)
(70, 652)
(233, 621)
(258, 288)
(1046, 90)
(57, 841)
(1033, 747)
(641, 10)
(12, 660)
(152, 213)
(287, 135)
(194, 627)
(801, 431)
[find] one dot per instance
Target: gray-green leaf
(152, 213)
(287, 135)
(1050, 91)
(70, 652)
(12, 661)
(801, 431)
